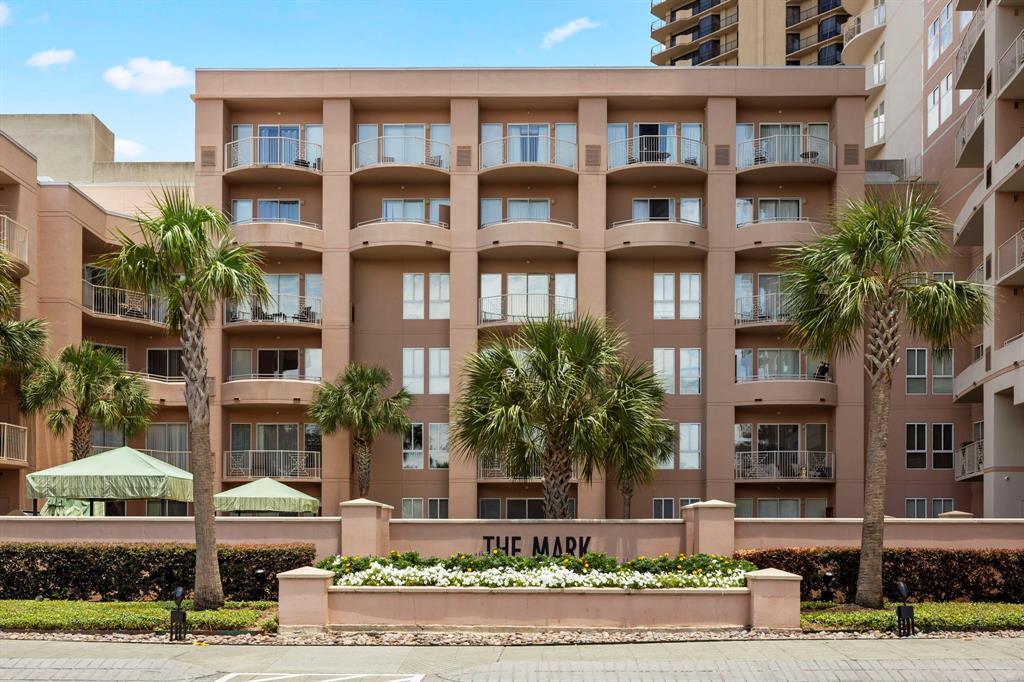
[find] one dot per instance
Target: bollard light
(904, 613)
(828, 593)
(178, 625)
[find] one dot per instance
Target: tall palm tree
(21, 341)
(186, 254)
(862, 279)
(559, 396)
(356, 402)
(86, 385)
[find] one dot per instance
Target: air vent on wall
(208, 156)
(851, 154)
(592, 155)
(721, 155)
(463, 156)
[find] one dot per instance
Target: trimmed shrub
(930, 574)
(139, 571)
(928, 617)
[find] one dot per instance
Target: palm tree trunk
(627, 489)
(556, 468)
(81, 436)
(362, 451)
(869, 575)
(209, 594)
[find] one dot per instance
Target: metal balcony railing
(13, 443)
(296, 464)
(494, 470)
(123, 303)
(519, 308)
(761, 309)
(288, 375)
(785, 149)
(968, 41)
(773, 219)
(279, 309)
(969, 460)
(874, 133)
(512, 221)
(972, 120)
(401, 150)
(856, 26)
(645, 221)
(1011, 60)
(978, 276)
(657, 149)
(277, 221)
(178, 458)
(820, 373)
(403, 219)
(14, 238)
(786, 465)
(812, 11)
(527, 149)
(794, 46)
(1010, 255)
(273, 151)
(149, 376)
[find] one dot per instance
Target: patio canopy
(265, 494)
(120, 474)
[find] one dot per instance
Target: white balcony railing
(972, 120)
(14, 238)
(296, 464)
(13, 443)
(527, 149)
(978, 276)
(401, 150)
(273, 151)
(289, 375)
(277, 221)
(123, 303)
(789, 465)
(418, 221)
(969, 460)
(856, 26)
(279, 309)
(761, 309)
(767, 220)
(785, 149)
(875, 75)
(164, 378)
(647, 221)
(657, 149)
(874, 133)
(494, 470)
(1010, 255)
(820, 372)
(1011, 60)
(513, 221)
(519, 308)
(178, 458)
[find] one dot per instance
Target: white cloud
(5, 14)
(128, 149)
(557, 35)
(43, 18)
(146, 76)
(50, 57)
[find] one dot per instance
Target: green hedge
(35, 614)
(928, 617)
(139, 571)
(930, 574)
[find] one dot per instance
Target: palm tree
(356, 402)
(21, 341)
(861, 279)
(86, 385)
(560, 396)
(187, 255)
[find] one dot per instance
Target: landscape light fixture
(828, 580)
(904, 613)
(178, 627)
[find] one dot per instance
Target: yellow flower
(494, 551)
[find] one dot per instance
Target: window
(412, 370)
(412, 507)
(664, 508)
(440, 295)
(439, 368)
(164, 362)
(653, 210)
(166, 508)
(771, 508)
(689, 371)
(941, 505)
(524, 508)
(689, 211)
(689, 446)
(917, 371)
(105, 438)
(686, 502)
(877, 132)
(490, 212)
(689, 296)
(404, 210)
(241, 211)
(943, 276)
(277, 363)
(412, 296)
(167, 438)
(917, 446)
(946, 97)
(963, 95)
(778, 363)
(412, 447)
(313, 368)
(942, 371)
(744, 211)
(520, 210)
(744, 508)
(312, 438)
(965, 18)
(664, 296)
(665, 368)
(771, 210)
(277, 210)
(437, 508)
(946, 27)
(878, 64)
(815, 507)
(667, 461)
(744, 364)
(440, 211)
(942, 446)
(933, 42)
(439, 446)
(277, 437)
(917, 508)
(241, 437)
(933, 111)
(490, 508)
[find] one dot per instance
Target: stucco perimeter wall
(919, 533)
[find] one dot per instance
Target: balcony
(647, 237)
(1011, 75)
(874, 135)
(13, 444)
(526, 238)
(813, 13)
(295, 465)
(970, 138)
(400, 158)
(493, 471)
(650, 158)
(273, 159)
(808, 44)
(667, 25)
(678, 45)
(123, 304)
(278, 237)
(287, 388)
(527, 158)
(970, 56)
(282, 309)
(178, 458)
(511, 309)
(765, 310)
(767, 235)
(786, 158)
(1010, 260)
(874, 77)
(859, 34)
(785, 466)
(388, 237)
(164, 390)
(14, 242)
(770, 388)
(969, 461)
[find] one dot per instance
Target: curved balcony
(860, 32)
(874, 135)
(666, 25)
(969, 461)
(387, 238)
(263, 389)
(808, 44)
(785, 466)
(179, 458)
(1011, 73)
(277, 311)
(164, 390)
(785, 389)
(874, 77)
(812, 15)
(279, 237)
(13, 445)
(524, 238)
(513, 309)
(123, 306)
(14, 242)
(400, 158)
(273, 159)
(970, 56)
(678, 45)
(1010, 261)
(652, 158)
(294, 465)
(767, 311)
(967, 229)
(527, 158)
(645, 237)
(786, 158)
(494, 471)
(970, 137)
(768, 234)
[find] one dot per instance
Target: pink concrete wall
(931, 533)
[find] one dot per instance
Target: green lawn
(931, 616)
(82, 615)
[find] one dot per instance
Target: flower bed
(500, 570)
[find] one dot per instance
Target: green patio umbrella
(265, 494)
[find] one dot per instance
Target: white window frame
(664, 291)
(412, 370)
(939, 505)
(412, 459)
(412, 508)
(689, 285)
(920, 374)
(944, 445)
(690, 458)
(439, 381)
(412, 295)
(440, 295)
(441, 453)
(945, 97)
(664, 363)
(942, 357)
(434, 507)
(921, 503)
(660, 504)
(687, 371)
(933, 111)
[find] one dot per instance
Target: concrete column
(710, 528)
(302, 600)
(1003, 479)
(365, 528)
(774, 599)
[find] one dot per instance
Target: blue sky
(131, 62)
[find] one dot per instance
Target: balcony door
(282, 437)
(745, 145)
(278, 362)
(778, 437)
(404, 143)
(278, 211)
(655, 142)
(490, 296)
(527, 296)
(769, 291)
(167, 438)
(284, 297)
(537, 210)
(403, 210)
(366, 144)
(778, 363)
(780, 142)
(645, 210)
(279, 144)
(241, 135)
(529, 143)
(744, 294)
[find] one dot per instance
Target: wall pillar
(710, 528)
(365, 528)
(302, 600)
(774, 599)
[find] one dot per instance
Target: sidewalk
(929, 660)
